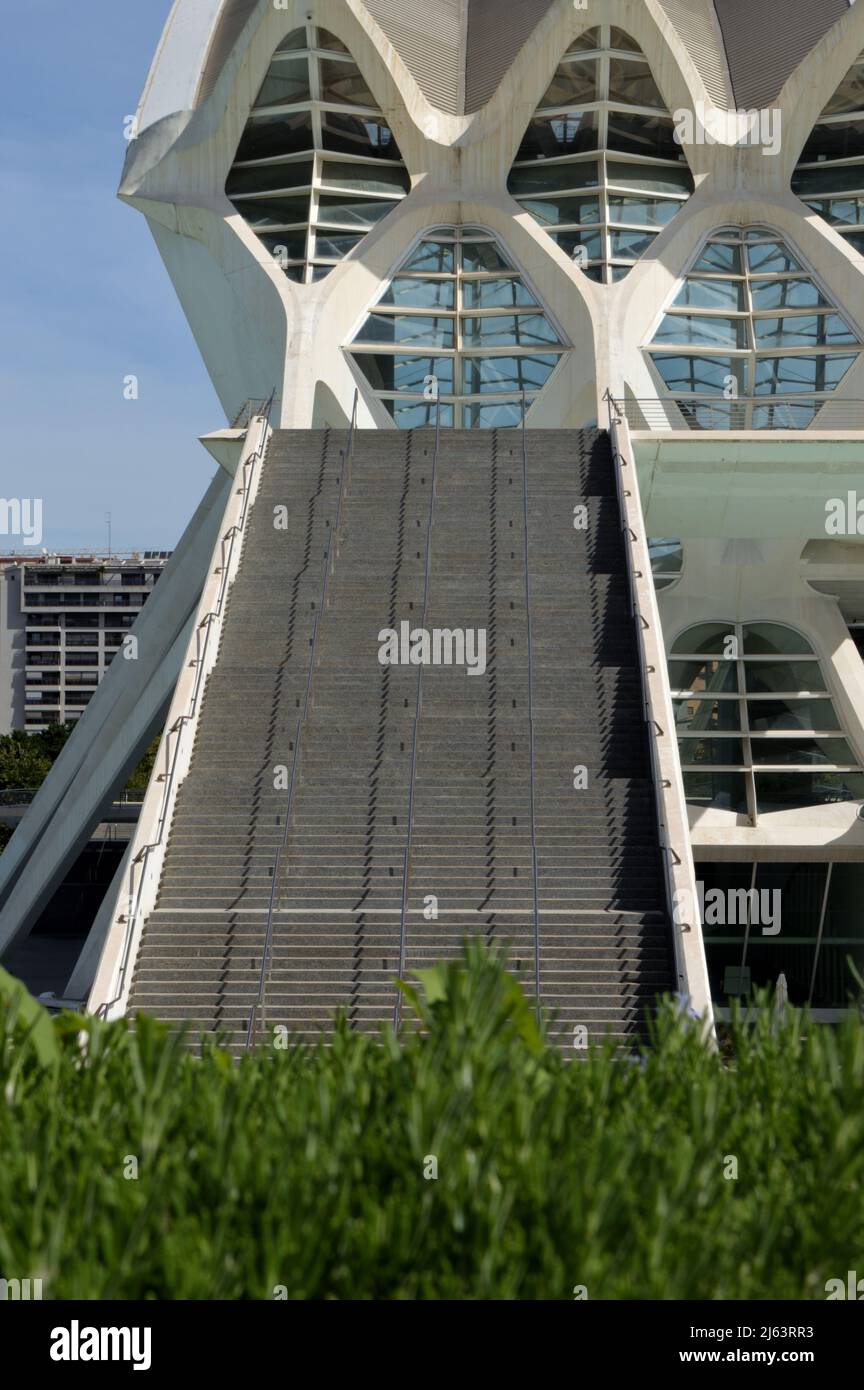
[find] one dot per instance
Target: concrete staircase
(601, 925)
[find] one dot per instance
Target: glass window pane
(802, 750)
(360, 212)
(704, 677)
(646, 135)
(417, 415)
(839, 140)
(719, 256)
(774, 639)
(563, 211)
(508, 330)
(842, 938)
(325, 39)
(328, 245)
(392, 372)
(481, 374)
(633, 84)
(535, 178)
(629, 244)
(410, 293)
(500, 415)
(787, 294)
(268, 179)
(295, 40)
(849, 96)
(363, 135)
(435, 257)
(266, 137)
(650, 178)
(623, 42)
(771, 257)
(286, 82)
(782, 791)
(831, 179)
(495, 294)
(589, 41)
(483, 256)
(802, 330)
(717, 791)
(285, 246)
(573, 83)
(766, 716)
(786, 375)
(573, 133)
(591, 242)
(684, 374)
(717, 752)
(714, 716)
(712, 294)
(765, 677)
(694, 328)
(343, 83)
(654, 212)
(784, 416)
(402, 328)
(366, 177)
(705, 639)
(275, 212)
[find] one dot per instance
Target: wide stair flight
(402, 806)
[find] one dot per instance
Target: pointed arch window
(750, 339)
(599, 166)
(318, 166)
(458, 319)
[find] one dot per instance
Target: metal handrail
(642, 626)
(698, 410)
(263, 974)
(531, 736)
(409, 830)
(171, 772)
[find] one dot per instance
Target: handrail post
(531, 730)
(172, 760)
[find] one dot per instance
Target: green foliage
(304, 1168)
(141, 776)
(27, 758)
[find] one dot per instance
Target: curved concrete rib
(124, 715)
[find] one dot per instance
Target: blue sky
(84, 297)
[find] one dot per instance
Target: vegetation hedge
(309, 1172)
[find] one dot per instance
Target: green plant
(309, 1170)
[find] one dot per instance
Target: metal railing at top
(531, 738)
(415, 738)
(670, 856)
(141, 860)
(762, 413)
(248, 410)
(263, 974)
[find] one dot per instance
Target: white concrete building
(537, 206)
